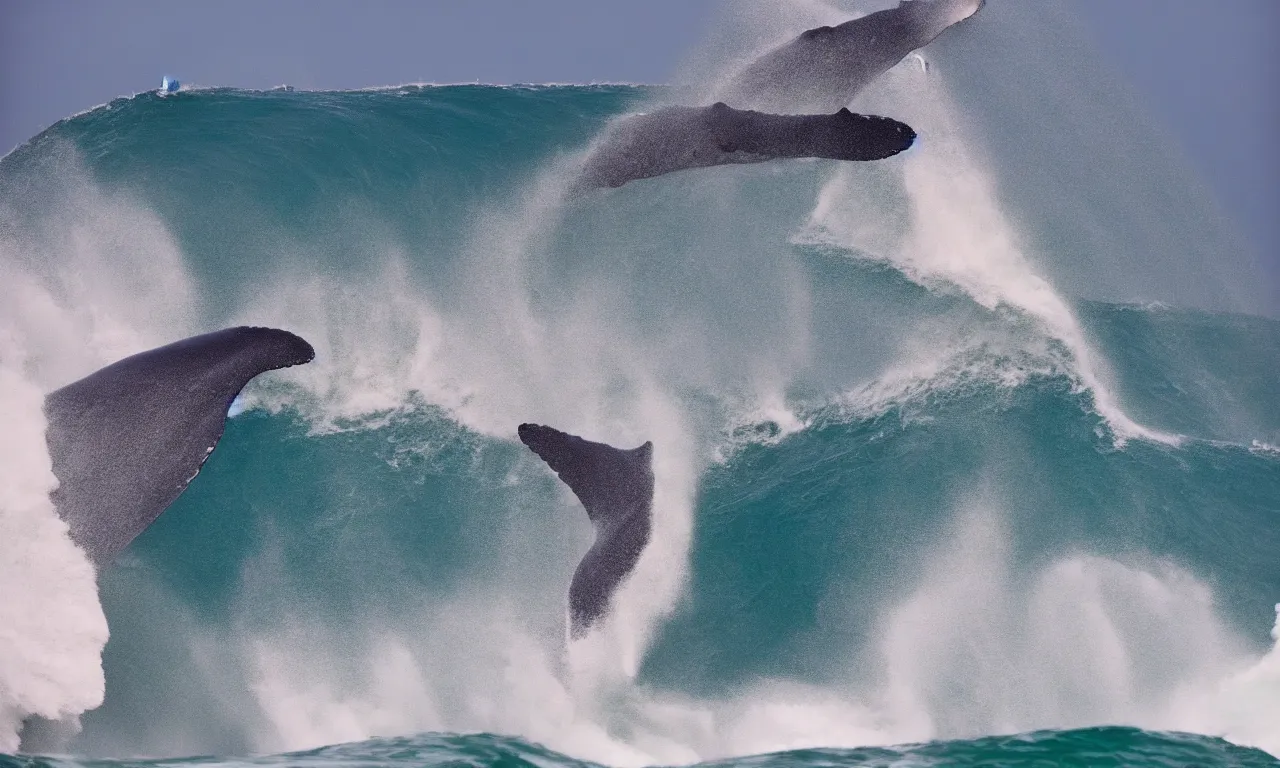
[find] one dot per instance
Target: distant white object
(169, 84)
(924, 65)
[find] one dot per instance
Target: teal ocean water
(951, 469)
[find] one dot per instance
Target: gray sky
(1212, 77)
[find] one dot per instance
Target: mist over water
(915, 478)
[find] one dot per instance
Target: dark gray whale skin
(616, 488)
(125, 441)
(824, 68)
(678, 138)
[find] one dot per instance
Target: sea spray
(91, 278)
(52, 628)
(1085, 641)
(955, 235)
(1243, 706)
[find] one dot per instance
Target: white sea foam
(102, 279)
(1087, 641)
(52, 629)
(1259, 446)
(1242, 706)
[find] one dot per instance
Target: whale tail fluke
(615, 487)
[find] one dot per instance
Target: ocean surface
(967, 457)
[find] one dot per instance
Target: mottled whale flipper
(126, 440)
(679, 138)
(824, 68)
(616, 488)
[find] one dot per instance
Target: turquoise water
(1094, 747)
(909, 491)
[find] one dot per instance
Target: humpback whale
(676, 138)
(616, 488)
(824, 68)
(125, 441)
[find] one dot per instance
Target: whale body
(615, 486)
(824, 68)
(679, 138)
(125, 441)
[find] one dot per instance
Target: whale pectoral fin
(125, 441)
(615, 486)
(680, 138)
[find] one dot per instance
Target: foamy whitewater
(945, 473)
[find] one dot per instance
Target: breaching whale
(125, 441)
(616, 488)
(677, 138)
(824, 68)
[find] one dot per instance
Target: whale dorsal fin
(125, 441)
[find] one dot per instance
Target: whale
(615, 487)
(127, 440)
(681, 137)
(824, 68)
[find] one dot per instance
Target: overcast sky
(1211, 76)
(1210, 72)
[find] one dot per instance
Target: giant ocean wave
(926, 473)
